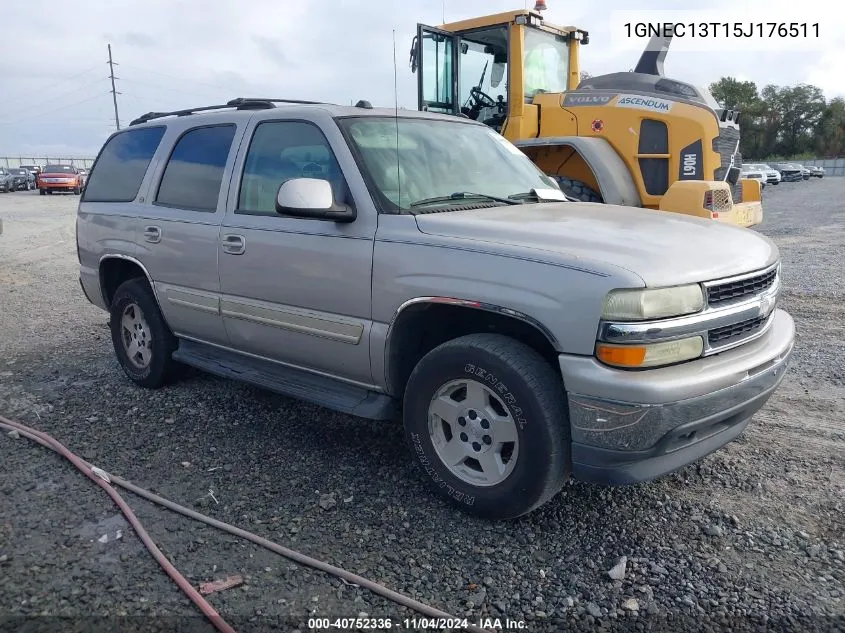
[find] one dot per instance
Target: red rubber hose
(194, 595)
(50, 442)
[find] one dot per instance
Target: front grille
(733, 290)
(726, 334)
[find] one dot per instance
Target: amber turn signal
(652, 355)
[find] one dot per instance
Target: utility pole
(114, 92)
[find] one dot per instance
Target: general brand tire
(527, 471)
(135, 316)
(577, 189)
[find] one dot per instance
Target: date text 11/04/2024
(722, 29)
(444, 625)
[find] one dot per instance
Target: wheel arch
(114, 269)
(421, 324)
(611, 175)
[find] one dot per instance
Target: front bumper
(633, 426)
(58, 186)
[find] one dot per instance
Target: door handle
(152, 234)
(234, 244)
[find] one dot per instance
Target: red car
(59, 178)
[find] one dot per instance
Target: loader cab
(489, 69)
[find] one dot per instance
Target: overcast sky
(54, 91)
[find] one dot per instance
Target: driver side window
(279, 151)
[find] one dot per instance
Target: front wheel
(142, 341)
(486, 418)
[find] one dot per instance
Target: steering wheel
(482, 99)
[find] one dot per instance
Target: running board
(295, 383)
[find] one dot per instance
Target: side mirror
(413, 59)
(311, 198)
(496, 74)
(733, 175)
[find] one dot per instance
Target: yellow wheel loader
(632, 138)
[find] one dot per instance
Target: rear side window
(121, 165)
(194, 172)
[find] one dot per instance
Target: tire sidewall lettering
(432, 472)
(498, 387)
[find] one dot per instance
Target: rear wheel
(42, 192)
(486, 419)
(142, 341)
(578, 189)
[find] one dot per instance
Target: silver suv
(420, 267)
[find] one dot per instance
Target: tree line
(784, 121)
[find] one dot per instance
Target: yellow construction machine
(632, 138)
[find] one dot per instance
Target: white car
(772, 175)
(753, 174)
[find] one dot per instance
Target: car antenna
(396, 117)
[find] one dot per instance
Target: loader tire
(577, 189)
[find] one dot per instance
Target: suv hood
(662, 248)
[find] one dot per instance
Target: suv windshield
(438, 158)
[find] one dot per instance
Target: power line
(80, 122)
(114, 92)
(65, 94)
(37, 115)
(52, 86)
(183, 79)
(159, 87)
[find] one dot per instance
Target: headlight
(652, 355)
(652, 303)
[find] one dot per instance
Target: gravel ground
(752, 536)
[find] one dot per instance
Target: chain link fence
(17, 161)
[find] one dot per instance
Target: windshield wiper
(462, 195)
(541, 195)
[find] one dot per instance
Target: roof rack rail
(251, 105)
(241, 103)
(241, 100)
